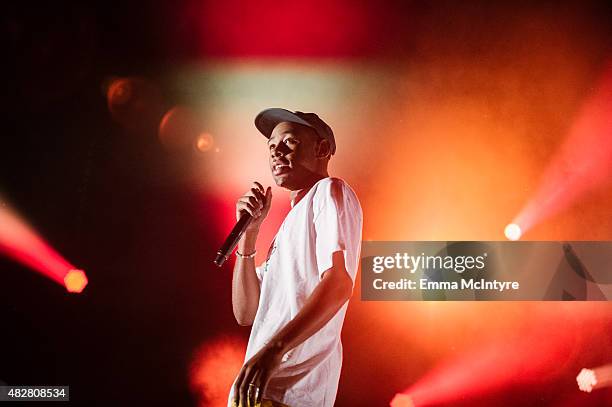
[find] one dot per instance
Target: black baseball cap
(267, 120)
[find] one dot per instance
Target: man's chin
(285, 182)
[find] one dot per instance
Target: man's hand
(254, 376)
(245, 285)
(255, 202)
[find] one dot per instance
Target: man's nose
(279, 151)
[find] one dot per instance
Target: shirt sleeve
(338, 222)
(259, 270)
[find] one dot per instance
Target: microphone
(232, 239)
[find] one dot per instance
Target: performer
(297, 298)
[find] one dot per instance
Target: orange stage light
(75, 281)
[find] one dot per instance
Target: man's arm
(245, 284)
(334, 289)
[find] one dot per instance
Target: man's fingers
(259, 195)
(268, 198)
(260, 192)
(255, 201)
(254, 389)
(263, 382)
(237, 386)
(259, 186)
(250, 377)
(245, 207)
(244, 388)
(252, 202)
(250, 205)
(251, 199)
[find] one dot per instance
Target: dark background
(93, 190)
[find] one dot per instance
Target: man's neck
(298, 194)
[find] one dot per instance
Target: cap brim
(268, 119)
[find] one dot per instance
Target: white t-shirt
(326, 220)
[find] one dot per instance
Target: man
(296, 300)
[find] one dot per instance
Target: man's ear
(323, 148)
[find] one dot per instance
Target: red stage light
(402, 400)
(21, 243)
(583, 162)
(539, 355)
(75, 281)
(314, 29)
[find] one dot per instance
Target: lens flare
(134, 103)
(178, 128)
(204, 142)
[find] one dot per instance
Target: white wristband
(246, 256)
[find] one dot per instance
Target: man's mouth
(278, 169)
